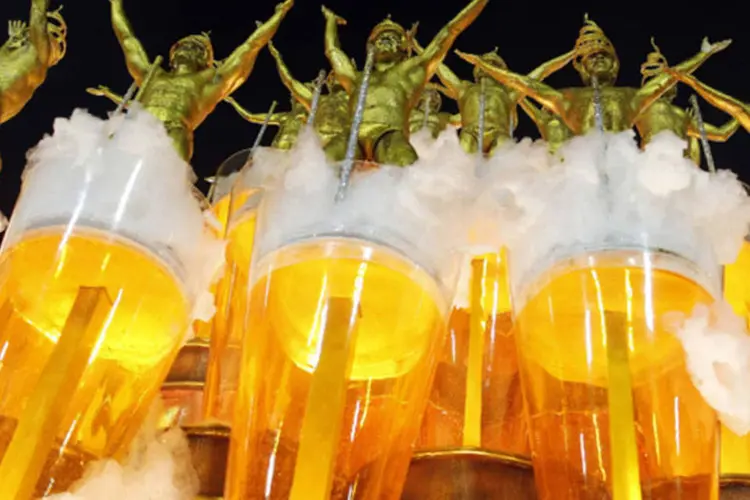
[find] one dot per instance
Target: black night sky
(526, 32)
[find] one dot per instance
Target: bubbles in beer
(122, 175)
(717, 349)
(158, 467)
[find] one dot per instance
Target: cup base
(735, 487)
(209, 447)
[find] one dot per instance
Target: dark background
(526, 32)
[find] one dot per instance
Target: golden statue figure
(595, 57)
(183, 96)
(663, 115)
(551, 127)
(431, 103)
(396, 82)
(500, 111)
(735, 108)
(331, 120)
(28, 54)
(290, 123)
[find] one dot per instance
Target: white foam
(134, 184)
(158, 467)
(717, 351)
(419, 210)
(550, 209)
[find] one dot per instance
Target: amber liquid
(39, 279)
(563, 330)
(735, 450)
(501, 421)
(399, 325)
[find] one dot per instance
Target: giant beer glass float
(346, 312)
(103, 267)
(612, 409)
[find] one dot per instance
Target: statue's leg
(468, 142)
(393, 148)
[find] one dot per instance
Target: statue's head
(19, 36)
(492, 58)
(654, 66)
(431, 95)
(595, 55)
(194, 52)
(391, 41)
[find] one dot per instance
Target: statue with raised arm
(431, 103)
(664, 115)
(290, 123)
(595, 58)
(185, 94)
(396, 82)
(500, 112)
(735, 108)
(331, 120)
(30, 51)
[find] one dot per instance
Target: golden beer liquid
(231, 304)
(399, 326)
(563, 358)
(502, 423)
(735, 450)
(39, 279)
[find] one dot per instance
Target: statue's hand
(282, 7)
(469, 58)
(330, 15)
(713, 48)
(101, 90)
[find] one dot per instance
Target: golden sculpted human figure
(183, 96)
(331, 120)
(663, 115)
(431, 102)
(27, 55)
(735, 108)
(551, 127)
(396, 83)
(595, 57)
(500, 102)
(290, 123)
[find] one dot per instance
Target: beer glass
(101, 270)
(236, 197)
(345, 315)
(612, 409)
(476, 397)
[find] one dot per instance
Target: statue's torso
(391, 96)
(333, 113)
(617, 108)
(289, 128)
(498, 108)
(21, 73)
(179, 99)
(662, 115)
(436, 122)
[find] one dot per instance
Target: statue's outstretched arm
(542, 93)
(714, 133)
(545, 69)
(343, 68)
(303, 94)
(438, 48)
(452, 83)
(532, 112)
(728, 104)
(135, 55)
(235, 69)
(38, 29)
(259, 118)
(102, 91)
(655, 88)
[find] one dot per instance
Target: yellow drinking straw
(33, 439)
(475, 362)
(321, 428)
(626, 484)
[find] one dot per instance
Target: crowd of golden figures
(401, 97)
